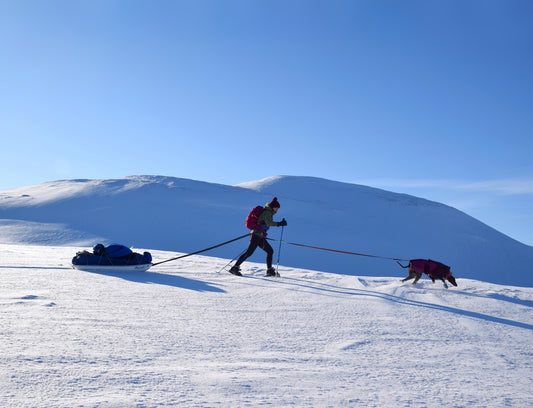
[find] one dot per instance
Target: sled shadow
(34, 267)
(335, 290)
(156, 278)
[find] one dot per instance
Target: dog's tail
(398, 262)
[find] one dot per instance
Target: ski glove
(282, 223)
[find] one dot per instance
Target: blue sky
(430, 98)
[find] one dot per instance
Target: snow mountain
(182, 215)
(187, 334)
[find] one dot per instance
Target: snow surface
(173, 214)
(188, 334)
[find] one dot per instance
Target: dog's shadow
(499, 296)
(335, 290)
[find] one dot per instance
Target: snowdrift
(183, 335)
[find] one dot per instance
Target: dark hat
(274, 203)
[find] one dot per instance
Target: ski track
(182, 334)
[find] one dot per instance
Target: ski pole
(225, 266)
(279, 249)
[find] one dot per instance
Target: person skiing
(258, 238)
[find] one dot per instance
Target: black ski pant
(261, 242)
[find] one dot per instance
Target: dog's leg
(411, 276)
(443, 281)
(418, 276)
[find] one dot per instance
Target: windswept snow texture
(183, 335)
(174, 214)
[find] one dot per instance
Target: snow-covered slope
(183, 215)
(183, 335)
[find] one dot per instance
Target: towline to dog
(338, 250)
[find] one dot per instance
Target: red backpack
(251, 219)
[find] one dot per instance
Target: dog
(435, 270)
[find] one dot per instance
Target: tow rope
(339, 251)
(280, 241)
(202, 250)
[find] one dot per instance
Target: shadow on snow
(331, 289)
(157, 278)
(147, 277)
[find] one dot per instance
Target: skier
(258, 238)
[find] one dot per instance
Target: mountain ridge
(183, 215)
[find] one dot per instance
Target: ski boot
(271, 272)
(235, 270)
